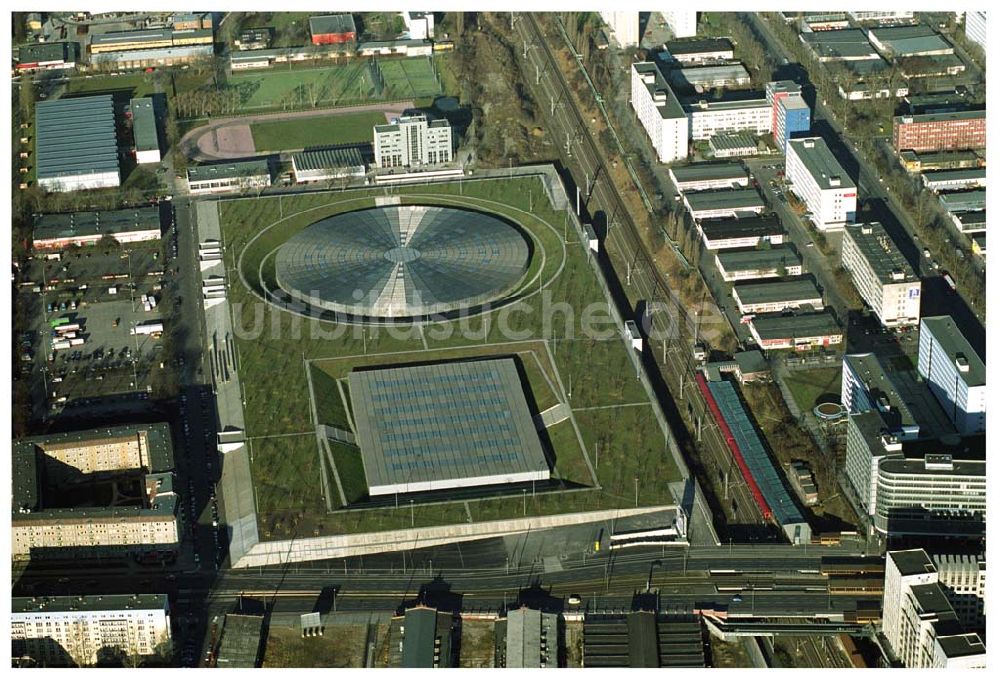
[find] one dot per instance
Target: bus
(56, 322)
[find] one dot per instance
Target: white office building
(410, 141)
(975, 28)
(817, 178)
(910, 492)
(882, 276)
(918, 623)
(708, 119)
(624, 27)
(70, 630)
(963, 577)
(659, 112)
(682, 24)
(955, 373)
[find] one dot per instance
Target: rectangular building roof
(75, 136)
(971, 218)
(774, 291)
(91, 603)
(953, 342)
(83, 224)
(736, 199)
(964, 201)
(25, 493)
(806, 324)
(744, 259)
(707, 171)
(903, 40)
(694, 106)
(697, 74)
(880, 384)
(444, 423)
(421, 625)
(732, 142)
(240, 644)
(848, 43)
(245, 168)
(912, 562)
(148, 35)
(699, 46)
(670, 108)
(322, 159)
(969, 468)
(144, 124)
(939, 117)
(966, 174)
(880, 251)
(152, 55)
(38, 52)
(525, 627)
(757, 225)
(332, 23)
(961, 645)
(820, 163)
(161, 451)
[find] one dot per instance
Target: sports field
(610, 439)
(281, 88)
(283, 135)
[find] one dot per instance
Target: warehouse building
(147, 144)
(156, 58)
(940, 131)
(709, 118)
(422, 637)
(317, 165)
(823, 22)
(265, 58)
(160, 38)
(191, 20)
(702, 78)
(660, 113)
(821, 183)
(954, 371)
(405, 48)
(909, 41)
(808, 330)
(881, 274)
(733, 146)
(850, 44)
(60, 231)
(955, 180)
(76, 144)
(240, 645)
(748, 232)
(943, 160)
(771, 296)
(438, 426)
(773, 262)
(46, 56)
(527, 638)
(61, 631)
(709, 176)
(732, 203)
(963, 201)
(642, 638)
(696, 52)
(244, 175)
(919, 625)
(410, 141)
(970, 222)
(332, 29)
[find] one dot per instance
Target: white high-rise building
(72, 630)
(881, 274)
(682, 24)
(919, 624)
(963, 577)
(624, 27)
(955, 373)
(659, 112)
(975, 28)
(821, 183)
(411, 141)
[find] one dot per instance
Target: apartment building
(963, 577)
(711, 118)
(660, 113)
(954, 371)
(920, 626)
(829, 194)
(939, 131)
(624, 27)
(881, 274)
(411, 141)
(682, 24)
(64, 631)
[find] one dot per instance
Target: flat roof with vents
(820, 163)
(104, 602)
(447, 425)
(144, 124)
(881, 253)
(951, 340)
(75, 137)
(668, 106)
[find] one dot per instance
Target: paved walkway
(206, 152)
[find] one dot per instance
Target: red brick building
(332, 29)
(940, 131)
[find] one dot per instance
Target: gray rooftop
(445, 421)
(322, 159)
(707, 171)
(75, 136)
(144, 124)
(806, 324)
(151, 55)
(115, 37)
(849, 43)
(738, 199)
(161, 452)
(76, 224)
(729, 142)
(525, 628)
(240, 644)
(961, 645)
(33, 53)
(820, 163)
(781, 290)
(102, 602)
(880, 383)
(953, 342)
(419, 641)
(694, 75)
(971, 174)
(903, 40)
(246, 168)
(972, 217)
(939, 117)
(880, 251)
(743, 259)
(912, 562)
(669, 107)
(918, 466)
(964, 201)
(752, 361)
(693, 105)
(929, 157)
(755, 225)
(699, 46)
(332, 23)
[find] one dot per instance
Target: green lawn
(350, 469)
(301, 88)
(411, 77)
(610, 406)
(286, 476)
(808, 385)
(140, 84)
(284, 135)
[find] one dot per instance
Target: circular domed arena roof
(402, 261)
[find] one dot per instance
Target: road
(673, 356)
